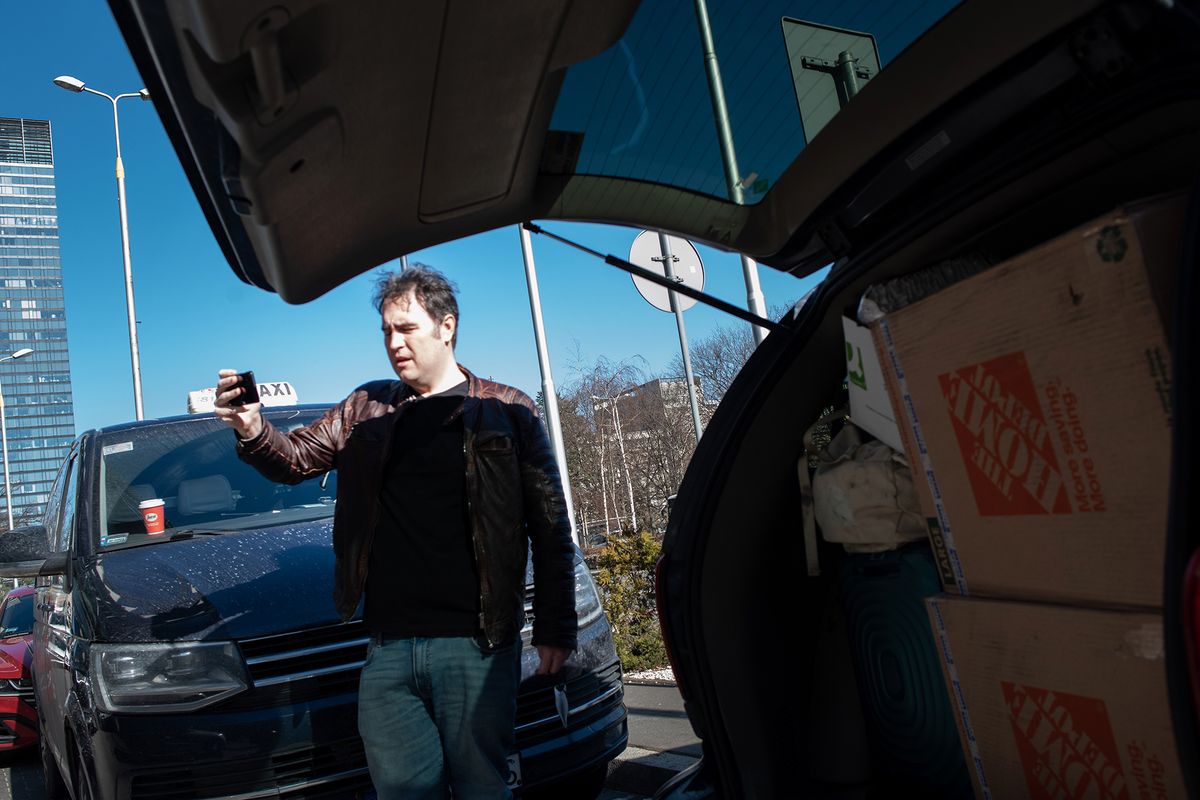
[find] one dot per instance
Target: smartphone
(249, 389)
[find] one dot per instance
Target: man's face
(419, 348)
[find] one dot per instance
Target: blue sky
(196, 317)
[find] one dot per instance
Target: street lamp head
(22, 352)
(69, 83)
(144, 94)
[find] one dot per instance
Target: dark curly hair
(433, 290)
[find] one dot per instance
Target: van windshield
(18, 616)
(183, 478)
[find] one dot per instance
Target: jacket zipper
(480, 551)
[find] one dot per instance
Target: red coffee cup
(152, 515)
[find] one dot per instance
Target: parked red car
(18, 716)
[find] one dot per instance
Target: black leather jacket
(514, 497)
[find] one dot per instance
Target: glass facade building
(38, 405)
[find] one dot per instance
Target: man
(444, 481)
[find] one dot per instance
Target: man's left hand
(551, 659)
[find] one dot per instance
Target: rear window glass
(186, 478)
(643, 110)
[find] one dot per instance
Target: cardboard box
(1058, 703)
(1034, 401)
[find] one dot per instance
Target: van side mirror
(24, 553)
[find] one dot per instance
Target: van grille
(590, 696)
(323, 771)
(302, 666)
(317, 651)
(528, 609)
(309, 665)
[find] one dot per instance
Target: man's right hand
(245, 420)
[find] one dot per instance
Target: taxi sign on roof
(271, 393)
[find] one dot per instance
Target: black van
(207, 660)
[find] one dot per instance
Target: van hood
(232, 586)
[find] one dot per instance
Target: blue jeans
(436, 715)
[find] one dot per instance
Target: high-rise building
(38, 405)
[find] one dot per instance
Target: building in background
(643, 439)
(37, 388)
(641, 409)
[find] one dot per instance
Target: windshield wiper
(188, 533)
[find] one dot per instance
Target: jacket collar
(474, 392)
(474, 385)
(407, 394)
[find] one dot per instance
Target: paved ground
(21, 776)
(661, 743)
(658, 722)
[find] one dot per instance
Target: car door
(52, 615)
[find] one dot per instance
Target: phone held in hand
(249, 387)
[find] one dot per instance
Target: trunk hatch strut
(661, 280)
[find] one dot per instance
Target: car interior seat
(208, 495)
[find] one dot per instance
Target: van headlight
(160, 678)
(587, 599)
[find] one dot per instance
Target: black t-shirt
(421, 579)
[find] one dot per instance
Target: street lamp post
(733, 176)
(75, 85)
(4, 438)
(612, 401)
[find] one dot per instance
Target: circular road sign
(686, 266)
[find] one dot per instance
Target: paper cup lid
(151, 503)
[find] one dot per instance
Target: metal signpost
(829, 66)
(548, 391)
(690, 272)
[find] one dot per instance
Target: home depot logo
(1003, 438)
(1066, 745)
